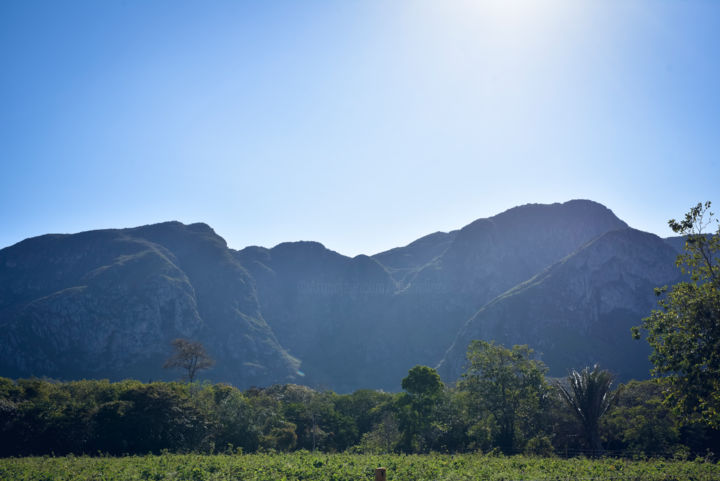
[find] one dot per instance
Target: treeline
(525, 415)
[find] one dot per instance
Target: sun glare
(509, 23)
(512, 13)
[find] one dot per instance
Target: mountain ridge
(494, 319)
(268, 313)
(143, 285)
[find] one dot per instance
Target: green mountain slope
(107, 303)
(484, 259)
(364, 322)
(580, 310)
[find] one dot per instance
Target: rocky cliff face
(479, 262)
(579, 311)
(324, 308)
(108, 303)
(569, 279)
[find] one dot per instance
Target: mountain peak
(589, 209)
(117, 296)
(302, 245)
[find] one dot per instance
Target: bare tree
(189, 355)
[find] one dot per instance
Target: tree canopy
(190, 356)
(417, 408)
(684, 332)
(40, 417)
(507, 385)
(422, 381)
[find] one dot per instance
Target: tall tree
(417, 406)
(506, 385)
(190, 356)
(589, 395)
(685, 332)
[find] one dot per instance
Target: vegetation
(503, 403)
(40, 417)
(322, 467)
(685, 332)
(505, 389)
(190, 356)
(588, 395)
(418, 409)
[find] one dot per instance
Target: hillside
(580, 310)
(484, 259)
(567, 278)
(107, 303)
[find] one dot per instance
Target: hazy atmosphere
(342, 240)
(361, 125)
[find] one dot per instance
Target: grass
(337, 467)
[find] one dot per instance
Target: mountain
(579, 311)
(323, 307)
(365, 321)
(480, 261)
(403, 262)
(677, 243)
(107, 303)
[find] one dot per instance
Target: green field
(328, 467)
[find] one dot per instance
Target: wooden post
(380, 474)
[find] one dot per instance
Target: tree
(190, 356)
(232, 416)
(416, 408)
(148, 418)
(507, 388)
(383, 437)
(641, 423)
(685, 332)
(422, 382)
(588, 395)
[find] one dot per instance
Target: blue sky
(359, 124)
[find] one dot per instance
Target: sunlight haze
(361, 125)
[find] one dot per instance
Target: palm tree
(588, 395)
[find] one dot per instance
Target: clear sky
(359, 124)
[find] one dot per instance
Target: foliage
(507, 389)
(383, 438)
(685, 332)
(422, 381)
(40, 417)
(640, 423)
(322, 467)
(417, 407)
(588, 395)
(190, 356)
